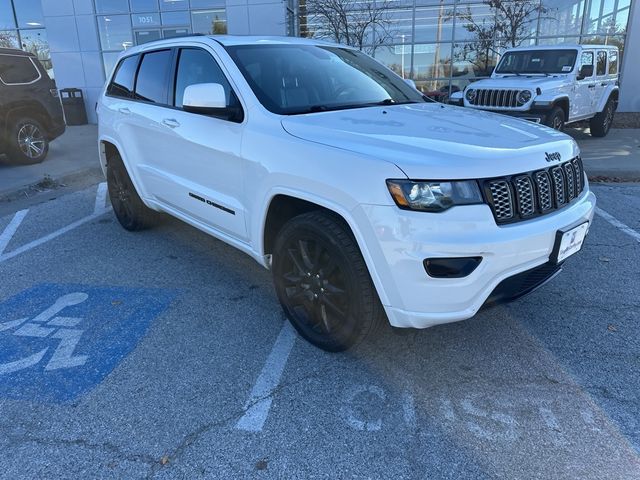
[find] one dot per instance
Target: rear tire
(323, 283)
(128, 207)
(27, 141)
(601, 123)
(556, 119)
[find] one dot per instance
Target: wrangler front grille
(523, 196)
(496, 98)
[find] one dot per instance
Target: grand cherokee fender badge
(552, 157)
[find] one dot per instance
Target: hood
(435, 141)
(521, 82)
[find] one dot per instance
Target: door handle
(604, 84)
(592, 86)
(124, 111)
(171, 122)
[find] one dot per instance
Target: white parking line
(618, 224)
(99, 209)
(11, 229)
(46, 238)
(260, 399)
(101, 198)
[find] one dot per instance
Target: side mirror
(410, 82)
(456, 98)
(585, 71)
(208, 99)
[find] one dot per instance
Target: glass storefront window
(174, 5)
(561, 16)
(434, 24)
(141, 6)
(35, 41)
(431, 61)
(112, 6)
(207, 3)
(144, 36)
(401, 20)
(29, 13)
(115, 32)
(9, 39)
(395, 57)
(471, 60)
(7, 21)
(210, 22)
(474, 20)
(175, 32)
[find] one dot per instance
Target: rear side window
(613, 62)
(601, 68)
(198, 66)
(153, 77)
(122, 83)
(17, 69)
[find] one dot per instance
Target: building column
(75, 48)
(630, 72)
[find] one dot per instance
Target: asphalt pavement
(164, 354)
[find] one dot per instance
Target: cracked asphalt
(176, 332)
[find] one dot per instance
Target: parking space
(164, 354)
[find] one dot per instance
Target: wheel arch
(284, 205)
(613, 94)
(30, 109)
(562, 102)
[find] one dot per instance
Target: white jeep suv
(552, 85)
(361, 196)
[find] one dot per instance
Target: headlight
(435, 196)
(524, 96)
(471, 95)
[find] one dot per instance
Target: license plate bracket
(568, 242)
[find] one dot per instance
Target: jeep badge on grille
(552, 157)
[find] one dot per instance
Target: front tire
(128, 207)
(323, 283)
(28, 143)
(601, 123)
(556, 119)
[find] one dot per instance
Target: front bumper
(399, 241)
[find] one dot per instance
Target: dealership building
(431, 41)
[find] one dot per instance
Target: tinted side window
(198, 66)
(15, 69)
(601, 68)
(586, 58)
(613, 63)
(153, 77)
(122, 83)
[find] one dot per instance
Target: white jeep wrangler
(552, 85)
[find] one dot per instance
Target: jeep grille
(524, 196)
(496, 98)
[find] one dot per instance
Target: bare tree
(364, 24)
(508, 25)
(7, 40)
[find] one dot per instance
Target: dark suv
(30, 110)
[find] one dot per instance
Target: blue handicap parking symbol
(59, 341)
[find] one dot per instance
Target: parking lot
(164, 354)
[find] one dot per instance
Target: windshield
(538, 61)
(293, 79)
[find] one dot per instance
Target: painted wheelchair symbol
(48, 325)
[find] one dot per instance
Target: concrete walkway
(616, 156)
(73, 153)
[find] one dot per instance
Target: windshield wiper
(512, 72)
(328, 108)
